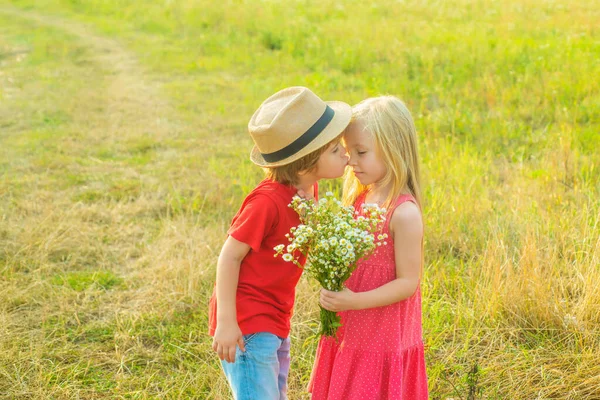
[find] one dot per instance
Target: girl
(379, 353)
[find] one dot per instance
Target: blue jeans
(261, 372)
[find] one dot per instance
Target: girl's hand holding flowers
(333, 238)
(338, 301)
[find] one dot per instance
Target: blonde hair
(392, 126)
(289, 174)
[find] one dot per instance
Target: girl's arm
(228, 333)
(406, 227)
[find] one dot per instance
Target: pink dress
(379, 352)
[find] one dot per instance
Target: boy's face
(332, 162)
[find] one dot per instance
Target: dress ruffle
(359, 374)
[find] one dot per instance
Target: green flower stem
(330, 322)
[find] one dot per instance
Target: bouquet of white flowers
(333, 238)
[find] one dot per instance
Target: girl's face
(368, 167)
(332, 162)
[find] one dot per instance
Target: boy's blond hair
(392, 126)
(289, 174)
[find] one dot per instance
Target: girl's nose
(351, 161)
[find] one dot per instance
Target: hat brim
(339, 122)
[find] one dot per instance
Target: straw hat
(292, 123)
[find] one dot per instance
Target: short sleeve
(254, 221)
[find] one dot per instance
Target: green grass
(124, 155)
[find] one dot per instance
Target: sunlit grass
(124, 155)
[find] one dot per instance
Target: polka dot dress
(379, 352)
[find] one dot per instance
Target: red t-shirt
(267, 285)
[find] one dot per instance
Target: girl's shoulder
(406, 216)
(404, 198)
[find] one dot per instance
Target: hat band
(303, 140)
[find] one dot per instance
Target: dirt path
(120, 110)
(94, 257)
(134, 103)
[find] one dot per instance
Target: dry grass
(123, 156)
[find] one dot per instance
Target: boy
(297, 141)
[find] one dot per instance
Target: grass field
(124, 155)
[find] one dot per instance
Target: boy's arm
(228, 333)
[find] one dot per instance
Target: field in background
(124, 155)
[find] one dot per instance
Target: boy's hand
(227, 337)
(338, 301)
(305, 195)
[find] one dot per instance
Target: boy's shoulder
(276, 191)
